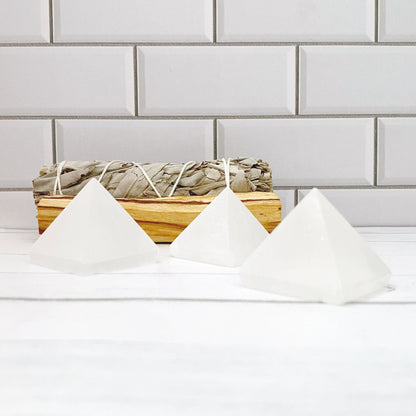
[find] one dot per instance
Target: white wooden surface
(181, 338)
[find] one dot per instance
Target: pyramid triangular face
(315, 254)
(224, 233)
(93, 234)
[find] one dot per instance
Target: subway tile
(24, 21)
(133, 21)
(296, 20)
(397, 20)
(396, 147)
(374, 207)
(27, 145)
(17, 210)
(323, 151)
(66, 81)
(287, 199)
(228, 80)
(137, 140)
(357, 79)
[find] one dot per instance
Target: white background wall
(325, 90)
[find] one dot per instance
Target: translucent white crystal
(224, 233)
(93, 234)
(315, 254)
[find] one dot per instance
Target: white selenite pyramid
(224, 233)
(93, 234)
(315, 254)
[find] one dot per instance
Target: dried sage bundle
(126, 179)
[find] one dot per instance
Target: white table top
(182, 338)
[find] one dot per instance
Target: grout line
(15, 189)
(214, 21)
(345, 187)
(297, 78)
(296, 197)
(51, 26)
(297, 188)
(215, 138)
(204, 117)
(54, 148)
(376, 20)
(375, 156)
(136, 83)
(208, 44)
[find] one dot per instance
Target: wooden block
(164, 219)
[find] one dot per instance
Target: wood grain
(164, 219)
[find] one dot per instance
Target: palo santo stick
(164, 219)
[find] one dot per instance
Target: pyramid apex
(316, 197)
(93, 183)
(314, 192)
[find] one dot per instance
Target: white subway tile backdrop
(139, 140)
(133, 20)
(397, 21)
(357, 79)
(294, 148)
(324, 90)
(26, 145)
(192, 80)
(295, 20)
(17, 210)
(373, 207)
(24, 21)
(396, 151)
(66, 81)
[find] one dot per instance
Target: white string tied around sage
(180, 176)
(134, 164)
(227, 171)
(57, 185)
(58, 178)
(147, 176)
